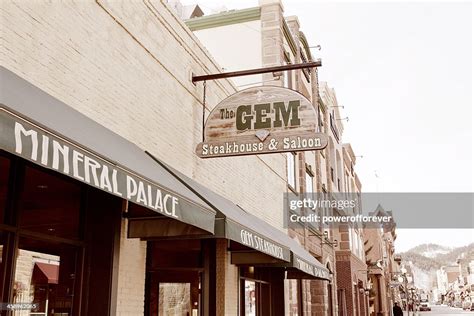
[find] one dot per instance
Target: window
(309, 178)
(309, 183)
(332, 123)
(50, 204)
(291, 170)
(339, 184)
(258, 293)
(249, 298)
(54, 226)
(286, 79)
(287, 74)
(45, 276)
(332, 174)
(348, 189)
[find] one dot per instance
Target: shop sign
(261, 120)
(261, 244)
(35, 144)
(311, 269)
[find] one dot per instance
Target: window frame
(291, 172)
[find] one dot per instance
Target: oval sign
(261, 120)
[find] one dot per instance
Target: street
(443, 310)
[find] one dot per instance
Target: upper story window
(309, 183)
(332, 123)
(347, 184)
(291, 170)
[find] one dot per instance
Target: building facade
(384, 267)
(105, 208)
(271, 39)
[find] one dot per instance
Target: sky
(403, 72)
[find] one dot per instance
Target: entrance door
(179, 293)
(255, 298)
(176, 282)
(256, 292)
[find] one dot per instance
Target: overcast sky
(403, 71)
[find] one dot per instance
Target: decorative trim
(223, 18)
(304, 41)
(289, 38)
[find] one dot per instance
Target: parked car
(425, 306)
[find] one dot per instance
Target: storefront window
(45, 277)
(249, 298)
(255, 292)
(56, 240)
(50, 204)
(4, 174)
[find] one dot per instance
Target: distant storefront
(68, 185)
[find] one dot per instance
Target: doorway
(179, 278)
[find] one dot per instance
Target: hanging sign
(261, 120)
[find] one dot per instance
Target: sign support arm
(203, 109)
(257, 71)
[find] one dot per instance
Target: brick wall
(344, 281)
(131, 280)
(350, 270)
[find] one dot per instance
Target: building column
(221, 264)
(271, 12)
(319, 299)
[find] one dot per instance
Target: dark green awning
(234, 223)
(47, 132)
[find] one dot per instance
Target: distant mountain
(450, 257)
(421, 261)
(430, 250)
(427, 258)
(432, 256)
